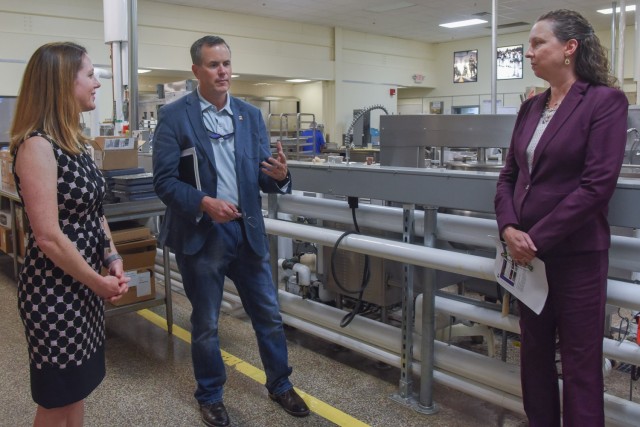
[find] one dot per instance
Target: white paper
(527, 283)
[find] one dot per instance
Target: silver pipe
(463, 229)
(428, 316)
(405, 388)
(622, 24)
(479, 373)
(636, 53)
(614, 15)
(133, 65)
(494, 58)
(381, 342)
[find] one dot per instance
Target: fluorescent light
(235, 76)
(466, 23)
(298, 80)
(142, 71)
(629, 8)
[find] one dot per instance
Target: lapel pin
(240, 118)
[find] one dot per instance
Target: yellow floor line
(324, 410)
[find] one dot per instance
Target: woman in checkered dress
(60, 289)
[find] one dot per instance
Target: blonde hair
(46, 101)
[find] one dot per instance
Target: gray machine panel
(466, 190)
(434, 130)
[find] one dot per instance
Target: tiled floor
(149, 379)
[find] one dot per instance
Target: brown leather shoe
(214, 414)
(292, 403)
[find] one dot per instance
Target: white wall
(356, 69)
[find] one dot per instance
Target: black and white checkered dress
(64, 319)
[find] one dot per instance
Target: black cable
(366, 274)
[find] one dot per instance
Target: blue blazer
(185, 227)
(563, 203)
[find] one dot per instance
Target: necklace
(549, 111)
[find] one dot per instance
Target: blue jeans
(226, 253)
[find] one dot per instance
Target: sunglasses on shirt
(215, 135)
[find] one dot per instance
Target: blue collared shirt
(219, 126)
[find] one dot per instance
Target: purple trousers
(575, 311)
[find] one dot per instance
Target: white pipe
(621, 294)
(485, 316)
(622, 24)
(487, 379)
(304, 272)
(472, 388)
(468, 265)
(453, 228)
(623, 352)
(116, 69)
(636, 54)
(504, 376)
(626, 351)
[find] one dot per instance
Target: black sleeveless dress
(64, 319)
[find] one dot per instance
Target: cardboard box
(22, 243)
(6, 172)
(142, 287)
(5, 218)
(115, 152)
(138, 254)
(6, 244)
(130, 234)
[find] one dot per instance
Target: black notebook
(188, 168)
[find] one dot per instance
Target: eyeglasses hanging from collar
(216, 135)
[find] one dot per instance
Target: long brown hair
(46, 100)
(591, 57)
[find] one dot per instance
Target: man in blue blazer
(215, 226)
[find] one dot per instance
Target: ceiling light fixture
(466, 23)
(142, 71)
(298, 80)
(629, 8)
(235, 76)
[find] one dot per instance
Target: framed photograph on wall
(465, 66)
(509, 62)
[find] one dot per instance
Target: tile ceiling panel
(419, 22)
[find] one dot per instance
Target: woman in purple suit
(551, 202)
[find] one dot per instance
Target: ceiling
(411, 19)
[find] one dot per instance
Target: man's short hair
(196, 47)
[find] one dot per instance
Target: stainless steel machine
(406, 140)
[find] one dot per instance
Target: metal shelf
(114, 212)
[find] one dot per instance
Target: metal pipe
(479, 372)
(622, 24)
(614, 15)
(494, 59)
(381, 342)
(636, 53)
(133, 65)
(427, 348)
(405, 388)
(454, 262)
(463, 229)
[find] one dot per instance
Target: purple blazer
(563, 203)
